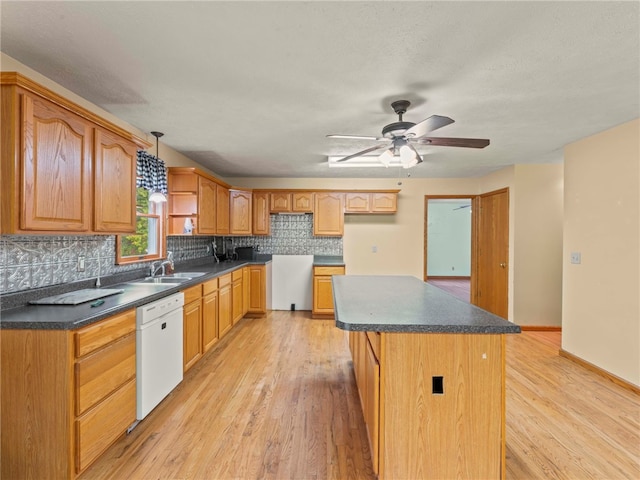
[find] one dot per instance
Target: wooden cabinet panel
(206, 206)
(115, 183)
(372, 402)
(240, 212)
(222, 210)
(55, 194)
(323, 290)
(224, 308)
(236, 298)
(209, 320)
(96, 335)
(192, 294)
(384, 202)
(257, 290)
(209, 286)
(280, 202)
(192, 334)
(328, 214)
(246, 288)
(356, 202)
(99, 374)
(101, 426)
(302, 202)
(261, 219)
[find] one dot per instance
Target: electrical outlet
(80, 265)
(374, 249)
(576, 258)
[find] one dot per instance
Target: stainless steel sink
(186, 274)
(162, 280)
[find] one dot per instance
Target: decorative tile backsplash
(292, 235)
(33, 261)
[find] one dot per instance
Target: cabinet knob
(503, 265)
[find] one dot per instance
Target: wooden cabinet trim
(96, 335)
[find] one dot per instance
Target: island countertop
(405, 304)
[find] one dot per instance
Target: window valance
(151, 173)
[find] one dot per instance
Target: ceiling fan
(403, 135)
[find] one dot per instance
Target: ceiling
(251, 89)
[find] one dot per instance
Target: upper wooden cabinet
(261, 223)
(240, 212)
(287, 202)
(328, 214)
(198, 205)
(115, 183)
(64, 169)
(371, 202)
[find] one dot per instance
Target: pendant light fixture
(157, 196)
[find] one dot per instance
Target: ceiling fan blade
(429, 125)
(359, 154)
(453, 142)
(357, 137)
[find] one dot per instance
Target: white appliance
(158, 351)
(292, 282)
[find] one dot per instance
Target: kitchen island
(430, 370)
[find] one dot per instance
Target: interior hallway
(276, 399)
(458, 287)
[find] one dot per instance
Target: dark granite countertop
(68, 317)
(405, 304)
(328, 261)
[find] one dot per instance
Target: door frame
(474, 220)
(475, 210)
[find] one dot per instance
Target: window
(148, 241)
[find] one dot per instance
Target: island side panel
(457, 434)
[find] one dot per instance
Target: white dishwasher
(158, 351)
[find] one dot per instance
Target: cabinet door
(383, 202)
(356, 202)
(236, 298)
(257, 290)
(240, 212)
(206, 206)
(245, 289)
(115, 183)
(224, 310)
(222, 210)
(280, 202)
(261, 223)
(209, 320)
(328, 214)
(322, 295)
(372, 402)
(55, 193)
(192, 334)
(302, 202)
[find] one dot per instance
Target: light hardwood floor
(276, 399)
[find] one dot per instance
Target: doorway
(488, 248)
(448, 239)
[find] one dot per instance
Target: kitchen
(397, 238)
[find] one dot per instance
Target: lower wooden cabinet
(72, 394)
(236, 296)
(209, 314)
(225, 320)
(192, 326)
(323, 291)
(257, 301)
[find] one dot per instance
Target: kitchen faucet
(169, 261)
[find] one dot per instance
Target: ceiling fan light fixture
(386, 157)
(408, 155)
(157, 197)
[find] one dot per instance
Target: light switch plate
(576, 258)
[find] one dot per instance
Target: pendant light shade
(157, 196)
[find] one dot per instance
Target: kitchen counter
(390, 303)
(328, 261)
(69, 317)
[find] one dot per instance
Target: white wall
(449, 237)
(601, 296)
(537, 282)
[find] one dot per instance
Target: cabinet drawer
(209, 286)
(236, 275)
(103, 372)
(328, 270)
(192, 293)
(224, 280)
(375, 340)
(94, 336)
(97, 429)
